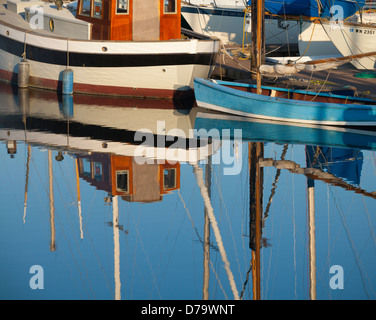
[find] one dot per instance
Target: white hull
(353, 39)
(228, 24)
(314, 41)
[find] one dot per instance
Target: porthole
(52, 25)
(104, 49)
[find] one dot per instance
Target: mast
(27, 181)
(79, 200)
(205, 287)
(52, 206)
(115, 226)
(256, 152)
(312, 238)
(204, 193)
(258, 39)
(311, 234)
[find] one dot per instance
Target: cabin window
(85, 8)
(169, 6)
(97, 9)
(122, 181)
(86, 167)
(122, 6)
(169, 179)
(98, 171)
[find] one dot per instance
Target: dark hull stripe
(76, 129)
(214, 12)
(56, 57)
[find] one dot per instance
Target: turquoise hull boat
(288, 105)
(257, 130)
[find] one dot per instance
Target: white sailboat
(230, 21)
(354, 38)
(341, 36)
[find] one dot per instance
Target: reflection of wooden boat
(114, 48)
(282, 132)
(280, 104)
(37, 117)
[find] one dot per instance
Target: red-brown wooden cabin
(136, 20)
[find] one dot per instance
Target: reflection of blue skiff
(282, 132)
(298, 106)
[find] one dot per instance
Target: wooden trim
(121, 24)
(170, 23)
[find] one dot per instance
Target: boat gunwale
(264, 98)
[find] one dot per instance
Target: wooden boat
(112, 47)
(295, 106)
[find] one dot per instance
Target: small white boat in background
(231, 23)
(352, 39)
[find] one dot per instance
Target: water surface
(100, 225)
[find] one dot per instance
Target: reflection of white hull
(353, 39)
(227, 24)
(38, 117)
(83, 145)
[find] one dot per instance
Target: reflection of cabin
(122, 176)
(145, 20)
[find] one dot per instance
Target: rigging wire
(148, 261)
(352, 245)
(229, 224)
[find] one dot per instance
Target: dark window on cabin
(122, 181)
(122, 6)
(169, 178)
(85, 7)
(98, 171)
(169, 6)
(86, 167)
(97, 9)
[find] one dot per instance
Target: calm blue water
(98, 225)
